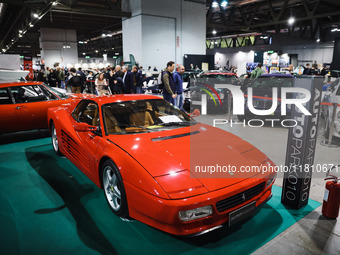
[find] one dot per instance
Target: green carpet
(49, 207)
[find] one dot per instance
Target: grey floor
(313, 234)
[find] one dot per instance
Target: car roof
(19, 83)
(276, 75)
(101, 100)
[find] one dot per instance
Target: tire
(55, 143)
(114, 190)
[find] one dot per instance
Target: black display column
(301, 145)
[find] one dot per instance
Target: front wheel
(55, 142)
(114, 190)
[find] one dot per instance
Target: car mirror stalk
(84, 127)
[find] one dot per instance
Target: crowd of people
(114, 80)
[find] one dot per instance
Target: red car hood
(167, 152)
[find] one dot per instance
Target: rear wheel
(114, 190)
(55, 142)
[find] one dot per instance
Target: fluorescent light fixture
(116, 53)
(103, 35)
(214, 32)
(81, 42)
(291, 20)
(214, 4)
(224, 3)
(109, 35)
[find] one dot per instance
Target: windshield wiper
(129, 125)
(176, 124)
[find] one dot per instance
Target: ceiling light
(20, 35)
(224, 3)
(84, 53)
(318, 40)
(81, 42)
(31, 25)
(20, 31)
(103, 35)
(116, 53)
(96, 51)
(35, 15)
(113, 48)
(214, 32)
(214, 4)
(291, 20)
(335, 30)
(109, 35)
(54, 3)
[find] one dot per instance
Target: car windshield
(58, 93)
(143, 116)
(272, 82)
(217, 79)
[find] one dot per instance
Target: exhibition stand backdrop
(49, 207)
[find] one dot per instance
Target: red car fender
(131, 171)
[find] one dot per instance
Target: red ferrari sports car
(141, 151)
(23, 105)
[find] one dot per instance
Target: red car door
(31, 106)
(9, 120)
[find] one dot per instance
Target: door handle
(19, 107)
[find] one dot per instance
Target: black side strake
(174, 136)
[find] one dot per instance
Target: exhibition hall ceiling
(98, 23)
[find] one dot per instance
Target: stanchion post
(331, 128)
(229, 107)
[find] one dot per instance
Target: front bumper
(163, 213)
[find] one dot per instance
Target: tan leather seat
(95, 119)
(111, 124)
(141, 118)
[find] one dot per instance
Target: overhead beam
(93, 12)
(232, 28)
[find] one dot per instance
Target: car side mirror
(84, 127)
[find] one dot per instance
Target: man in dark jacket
(178, 79)
(137, 80)
(169, 90)
(74, 81)
(128, 80)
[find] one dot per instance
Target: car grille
(239, 198)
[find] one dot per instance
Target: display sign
(301, 145)
(28, 65)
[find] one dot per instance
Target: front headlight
(271, 180)
(197, 213)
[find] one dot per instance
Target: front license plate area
(241, 213)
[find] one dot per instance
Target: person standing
(74, 81)
(169, 90)
(52, 79)
(307, 70)
(257, 71)
(101, 84)
(82, 77)
(128, 81)
(136, 78)
(178, 80)
(60, 77)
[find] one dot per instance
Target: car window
(48, 93)
(217, 78)
(4, 96)
(87, 112)
(28, 94)
(143, 116)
